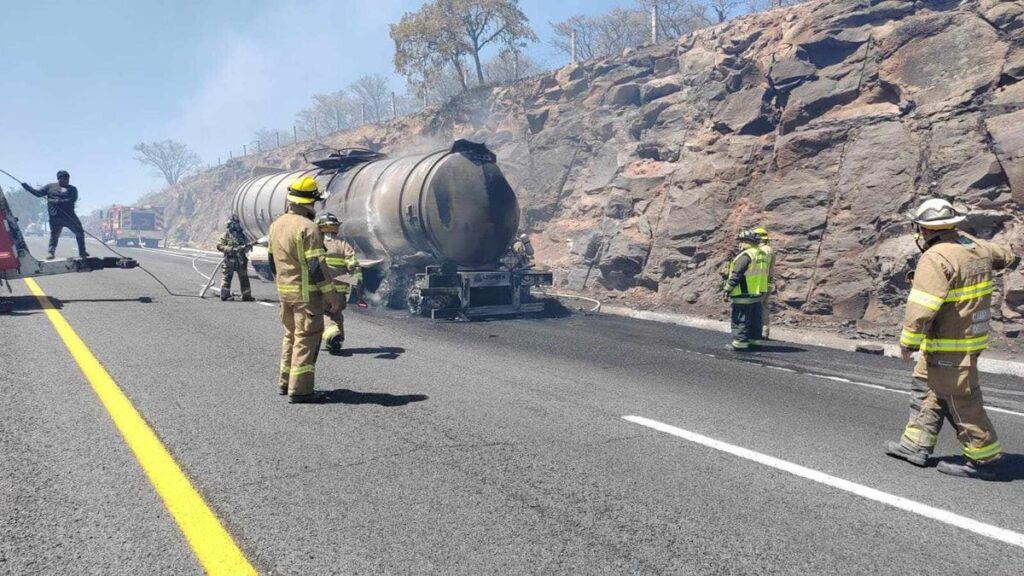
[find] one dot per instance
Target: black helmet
(749, 236)
(327, 219)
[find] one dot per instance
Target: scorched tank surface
(450, 205)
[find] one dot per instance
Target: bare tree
(510, 65)
(170, 159)
(487, 21)
(677, 18)
(603, 35)
(328, 113)
(372, 91)
(722, 10)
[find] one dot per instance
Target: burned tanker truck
(432, 231)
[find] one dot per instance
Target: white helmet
(937, 214)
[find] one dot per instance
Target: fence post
(278, 133)
(654, 23)
(572, 47)
(316, 135)
(394, 106)
(362, 106)
(259, 146)
(337, 119)
(295, 133)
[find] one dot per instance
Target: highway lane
(498, 446)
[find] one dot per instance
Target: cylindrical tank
(451, 206)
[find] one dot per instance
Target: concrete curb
(989, 365)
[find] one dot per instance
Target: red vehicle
(131, 225)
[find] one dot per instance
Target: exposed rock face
(824, 121)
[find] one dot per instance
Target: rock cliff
(825, 122)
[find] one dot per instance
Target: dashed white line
(1003, 410)
(780, 369)
(267, 304)
(944, 516)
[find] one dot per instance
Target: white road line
(1004, 411)
(267, 304)
(854, 382)
(780, 369)
(945, 516)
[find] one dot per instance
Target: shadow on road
(778, 348)
(26, 305)
(343, 396)
(1010, 469)
(381, 352)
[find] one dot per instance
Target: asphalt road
(469, 448)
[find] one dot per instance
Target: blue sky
(84, 81)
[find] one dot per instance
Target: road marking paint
(854, 382)
(267, 304)
(780, 369)
(1004, 411)
(944, 516)
(210, 542)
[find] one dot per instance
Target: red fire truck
(133, 225)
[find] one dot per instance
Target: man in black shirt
(60, 203)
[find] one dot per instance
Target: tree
(443, 32)
(328, 113)
(603, 35)
(266, 139)
(26, 208)
(170, 159)
(486, 21)
(510, 65)
(677, 18)
(372, 92)
(722, 10)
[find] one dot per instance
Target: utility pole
(295, 133)
(337, 119)
(278, 132)
(654, 23)
(394, 106)
(245, 151)
(362, 108)
(572, 47)
(316, 134)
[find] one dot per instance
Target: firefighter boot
(334, 339)
(970, 469)
(916, 456)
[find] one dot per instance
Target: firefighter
(233, 244)
(61, 197)
(343, 268)
(745, 287)
(522, 252)
(947, 319)
(297, 259)
(769, 252)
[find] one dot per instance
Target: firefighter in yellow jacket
(947, 319)
(343, 269)
(745, 287)
(769, 253)
(298, 260)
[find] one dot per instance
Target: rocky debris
(825, 121)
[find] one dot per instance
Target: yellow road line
(212, 544)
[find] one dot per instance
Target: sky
(82, 82)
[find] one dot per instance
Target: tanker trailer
(432, 227)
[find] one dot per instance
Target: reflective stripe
(911, 339)
(315, 253)
(976, 344)
(971, 292)
(327, 288)
(738, 344)
(925, 299)
(284, 368)
(922, 438)
(342, 288)
(744, 300)
(983, 453)
(303, 265)
(307, 369)
(289, 288)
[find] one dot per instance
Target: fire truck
(133, 225)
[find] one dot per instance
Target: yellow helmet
(304, 191)
(762, 232)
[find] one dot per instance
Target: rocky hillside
(825, 122)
